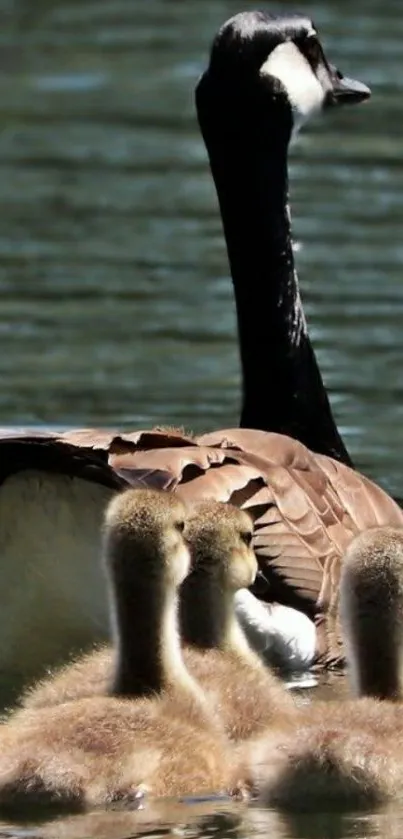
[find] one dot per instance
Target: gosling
(154, 732)
(348, 754)
(245, 694)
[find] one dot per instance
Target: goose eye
(246, 537)
(180, 525)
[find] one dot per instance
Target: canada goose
(246, 696)
(155, 731)
(267, 75)
(349, 752)
(51, 517)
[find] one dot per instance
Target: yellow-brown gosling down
(246, 695)
(154, 732)
(349, 753)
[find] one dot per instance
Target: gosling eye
(180, 525)
(246, 537)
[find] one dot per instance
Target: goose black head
(259, 58)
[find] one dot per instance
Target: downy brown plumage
(348, 753)
(155, 731)
(245, 694)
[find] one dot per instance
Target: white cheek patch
(304, 90)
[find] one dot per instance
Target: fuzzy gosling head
(220, 536)
(144, 533)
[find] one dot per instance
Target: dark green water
(115, 302)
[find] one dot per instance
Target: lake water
(115, 302)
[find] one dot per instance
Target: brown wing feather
(306, 507)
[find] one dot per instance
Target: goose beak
(346, 91)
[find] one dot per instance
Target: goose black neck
(247, 136)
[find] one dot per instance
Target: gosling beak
(346, 91)
(261, 584)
